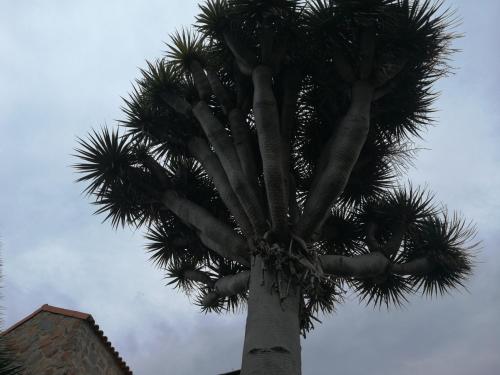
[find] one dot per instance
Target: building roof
(82, 316)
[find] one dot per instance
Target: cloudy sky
(63, 68)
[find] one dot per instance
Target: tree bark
(272, 336)
(243, 56)
(243, 143)
(226, 152)
(288, 120)
(214, 234)
(232, 284)
(371, 265)
(210, 162)
(267, 122)
(200, 80)
(341, 156)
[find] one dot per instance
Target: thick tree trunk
(272, 336)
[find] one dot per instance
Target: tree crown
(282, 128)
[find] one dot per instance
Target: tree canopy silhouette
(264, 153)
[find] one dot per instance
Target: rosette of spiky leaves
(176, 273)
(375, 171)
(150, 119)
(384, 290)
(279, 16)
(169, 240)
(253, 23)
(214, 18)
(447, 242)
(221, 268)
(210, 302)
(419, 32)
(105, 158)
(319, 296)
(378, 165)
(342, 233)
(164, 130)
(335, 24)
(191, 181)
(185, 47)
(319, 109)
(413, 112)
(142, 118)
(260, 9)
(411, 204)
(416, 33)
(159, 78)
(129, 201)
(322, 295)
(122, 189)
(404, 207)
(412, 41)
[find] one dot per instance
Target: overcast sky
(64, 66)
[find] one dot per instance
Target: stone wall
(53, 344)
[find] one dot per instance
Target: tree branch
(244, 57)
(156, 170)
(383, 90)
(200, 149)
(394, 243)
(200, 80)
(416, 267)
(225, 150)
(267, 122)
(391, 246)
(243, 141)
(226, 286)
(239, 129)
(371, 240)
(293, 204)
(243, 89)
(221, 93)
(199, 276)
(342, 66)
(386, 72)
(341, 155)
(291, 82)
(233, 284)
(367, 52)
(372, 265)
(213, 233)
(367, 265)
(179, 104)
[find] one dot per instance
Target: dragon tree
(263, 157)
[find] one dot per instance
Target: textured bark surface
(212, 232)
(272, 336)
(226, 152)
(267, 122)
(340, 157)
(201, 151)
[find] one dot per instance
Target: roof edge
(78, 315)
(51, 309)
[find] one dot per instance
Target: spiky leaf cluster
(323, 44)
(446, 242)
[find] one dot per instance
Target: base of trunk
(272, 336)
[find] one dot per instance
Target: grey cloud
(64, 67)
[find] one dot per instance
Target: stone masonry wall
(53, 344)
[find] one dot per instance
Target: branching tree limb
(333, 91)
